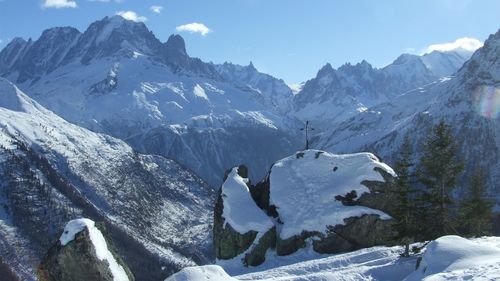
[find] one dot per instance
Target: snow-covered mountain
(118, 78)
(468, 101)
(52, 171)
(337, 94)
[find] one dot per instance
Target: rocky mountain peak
(360, 69)
(325, 70)
(175, 43)
(484, 64)
(251, 67)
(55, 32)
(406, 58)
(116, 35)
(17, 41)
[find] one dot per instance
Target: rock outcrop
(240, 227)
(83, 253)
(332, 203)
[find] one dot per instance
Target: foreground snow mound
(456, 258)
(447, 258)
(304, 187)
(201, 273)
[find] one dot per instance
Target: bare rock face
(83, 253)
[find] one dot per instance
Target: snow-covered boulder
(337, 203)
(83, 253)
(241, 228)
(316, 195)
(456, 258)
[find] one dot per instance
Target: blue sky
(289, 39)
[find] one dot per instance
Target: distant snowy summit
(117, 78)
(335, 95)
(331, 203)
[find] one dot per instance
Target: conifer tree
(476, 211)
(438, 171)
(404, 191)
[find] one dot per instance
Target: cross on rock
(307, 129)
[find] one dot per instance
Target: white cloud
(194, 28)
(156, 9)
(131, 15)
(59, 4)
(464, 43)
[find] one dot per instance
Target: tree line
(425, 206)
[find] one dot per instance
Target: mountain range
(114, 124)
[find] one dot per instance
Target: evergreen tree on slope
(438, 172)
(476, 211)
(406, 209)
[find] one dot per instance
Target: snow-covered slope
(52, 171)
(443, 64)
(117, 78)
(337, 94)
(468, 101)
(447, 258)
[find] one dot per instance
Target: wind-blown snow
(101, 248)
(304, 186)
(240, 211)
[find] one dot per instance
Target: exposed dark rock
(260, 194)
(257, 255)
(356, 233)
(228, 243)
(291, 245)
(348, 199)
(380, 197)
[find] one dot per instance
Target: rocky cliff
(331, 203)
(83, 253)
